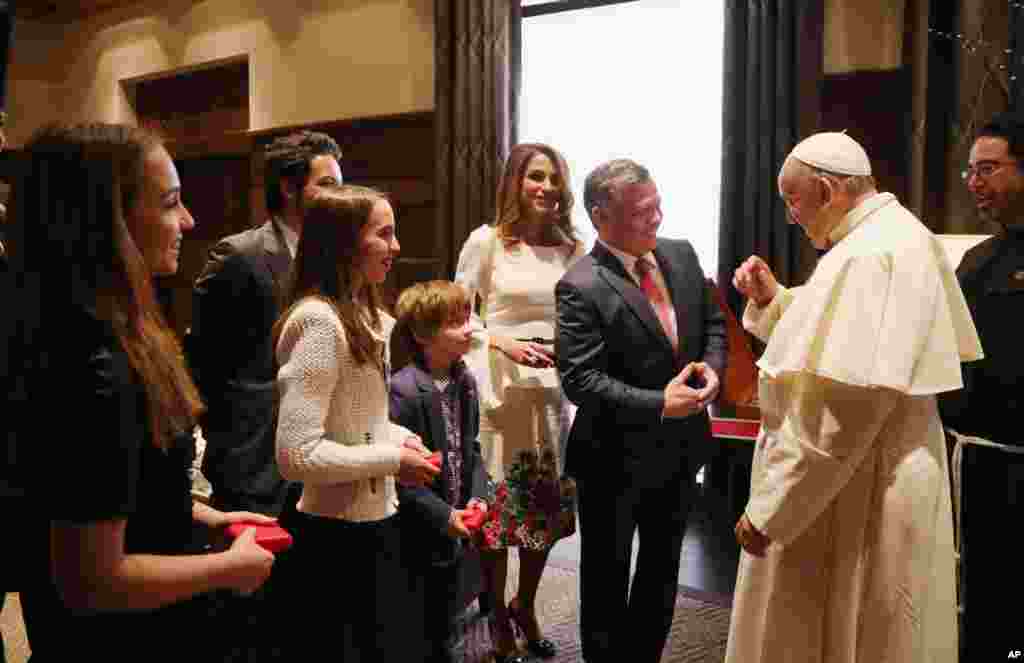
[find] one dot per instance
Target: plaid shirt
(451, 412)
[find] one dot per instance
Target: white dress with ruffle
(524, 416)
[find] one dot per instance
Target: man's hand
(681, 400)
(754, 280)
(704, 374)
(750, 539)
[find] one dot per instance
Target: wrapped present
(474, 517)
(271, 537)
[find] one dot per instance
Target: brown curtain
(476, 84)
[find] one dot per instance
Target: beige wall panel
(309, 61)
(863, 35)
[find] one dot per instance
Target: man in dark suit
(236, 300)
(640, 345)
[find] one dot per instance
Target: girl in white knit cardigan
(348, 590)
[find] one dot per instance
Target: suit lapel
(276, 257)
(431, 400)
(614, 273)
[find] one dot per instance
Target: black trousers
(993, 497)
(346, 590)
(440, 595)
(620, 621)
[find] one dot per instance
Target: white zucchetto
(833, 151)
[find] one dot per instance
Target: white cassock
(850, 479)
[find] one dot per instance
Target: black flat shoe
(541, 647)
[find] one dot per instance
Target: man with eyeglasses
(992, 277)
(990, 404)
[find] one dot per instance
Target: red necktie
(645, 271)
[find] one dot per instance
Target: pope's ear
(828, 189)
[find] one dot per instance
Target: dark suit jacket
(615, 360)
(416, 404)
(993, 392)
(236, 300)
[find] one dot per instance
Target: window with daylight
(639, 79)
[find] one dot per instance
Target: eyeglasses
(984, 169)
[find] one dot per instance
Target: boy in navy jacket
(435, 396)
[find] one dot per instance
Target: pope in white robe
(848, 537)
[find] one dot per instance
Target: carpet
(698, 635)
(699, 630)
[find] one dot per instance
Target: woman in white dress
(349, 590)
(513, 265)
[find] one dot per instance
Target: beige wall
(863, 35)
(309, 60)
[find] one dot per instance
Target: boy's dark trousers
(440, 592)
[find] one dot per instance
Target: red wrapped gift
(435, 459)
(271, 537)
(473, 518)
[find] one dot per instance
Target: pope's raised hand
(754, 279)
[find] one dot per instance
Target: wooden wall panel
(223, 186)
(874, 108)
(214, 189)
(393, 153)
(194, 105)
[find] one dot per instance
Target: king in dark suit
(236, 300)
(640, 344)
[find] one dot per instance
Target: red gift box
(474, 517)
(271, 537)
(735, 429)
(435, 459)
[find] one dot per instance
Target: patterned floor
(698, 634)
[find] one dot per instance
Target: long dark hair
(71, 249)
(327, 266)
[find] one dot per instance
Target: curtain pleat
(760, 120)
(476, 93)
